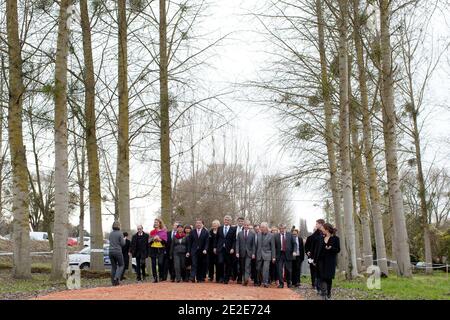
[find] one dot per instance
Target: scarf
(180, 235)
(162, 233)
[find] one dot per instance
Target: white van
(38, 236)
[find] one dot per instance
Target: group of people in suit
(240, 252)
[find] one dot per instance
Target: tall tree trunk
(390, 140)
(2, 158)
(21, 235)
(59, 261)
(357, 234)
(81, 180)
(422, 193)
(360, 184)
(95, 200)
(344, 141)
(123, 164)
(166, 188)
(329, 134)
(368, 145)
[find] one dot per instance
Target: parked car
(38, 236)
(423, 265)
(86, 241)
(82, 259)
(72, 242)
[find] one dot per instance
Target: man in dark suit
(139, 249)
(286, 249)
(168, 260)
(311, 246)
(253, 263)
(298, 260)
(265, 254)
(245, 250)
(224, 248)
(197, 250)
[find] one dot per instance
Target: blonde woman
(158, 239)
(212, 257)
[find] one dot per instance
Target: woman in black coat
(212, 257)
(325, 259)
(188, 260)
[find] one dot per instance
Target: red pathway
(176, 291)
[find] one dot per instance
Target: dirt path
(176, 291)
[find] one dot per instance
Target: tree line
(351, 82)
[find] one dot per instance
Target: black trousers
(315, 282)
(325, 287)
(157, 255)
(273, 274)
(225, 261)
(126, 261)
(187, 270)
(283, 264)
(212, 266)
(168, 267)
(296, 270)
(199, 266)
(253, 270)
(140, 267)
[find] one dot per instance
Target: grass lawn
(419, 287)
(40, 282)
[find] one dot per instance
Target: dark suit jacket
(139, 245)
(245, 247)
(198, 244)
(229, 240)
(291, 246)
(312, 242)
(169, 242)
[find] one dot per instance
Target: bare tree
(346, 172)
(368, 139)
(59, 258)
(390, 139)
(21, 236)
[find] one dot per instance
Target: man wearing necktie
(245, 250)
(286, 249)
(197, 250)
(224, 248)
(265, 254)
(168, 260)
(236, 270)
(256, 231)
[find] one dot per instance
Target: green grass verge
(40, 281)
(419, 287)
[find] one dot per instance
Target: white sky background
(239, 60)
